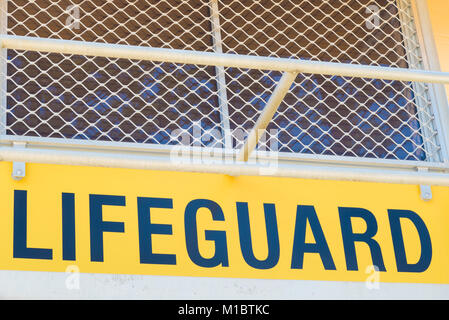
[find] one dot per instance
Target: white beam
(164, 163)
(219, 59)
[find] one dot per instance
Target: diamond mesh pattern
(75, 97)
(99, 99)
(331, 115)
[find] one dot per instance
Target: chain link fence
(72, 98)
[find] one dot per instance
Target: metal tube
(138, 161)
(220, 59)
(267, 115)
(221, 75)
(131, 147)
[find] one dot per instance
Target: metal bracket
(426, 190)
(18, 168)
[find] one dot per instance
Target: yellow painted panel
(438, 10)
(46, 183)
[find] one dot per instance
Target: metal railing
(389, 113)
(290, 66)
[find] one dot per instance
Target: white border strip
(53, 285)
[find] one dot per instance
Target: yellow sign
(208, 225)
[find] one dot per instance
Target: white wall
(46, 285)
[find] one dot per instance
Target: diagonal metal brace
(267, 115)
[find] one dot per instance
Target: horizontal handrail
(286, 157)
(219, 59)
(162, 163)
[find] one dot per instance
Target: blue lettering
(398, 241)
(349, 237)
(304, 214)
(98, 226)
(272, 236)
(219, 237)
(147, 229)
(20, 249)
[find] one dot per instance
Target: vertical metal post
(3, 67)
(221, 76)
